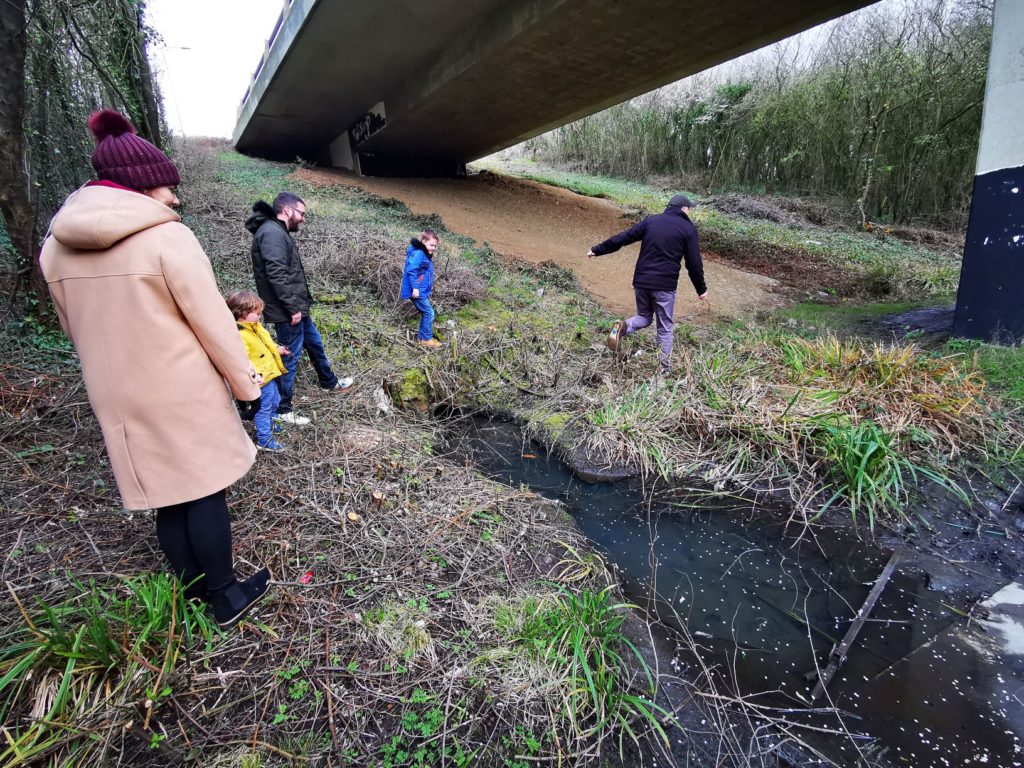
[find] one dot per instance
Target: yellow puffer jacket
(262, 350)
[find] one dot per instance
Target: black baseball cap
(681, 201)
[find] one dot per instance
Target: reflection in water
(916, 681)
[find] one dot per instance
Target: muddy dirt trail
(536, 223)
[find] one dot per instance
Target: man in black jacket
(281, 283)
(667, 240)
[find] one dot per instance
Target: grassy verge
(1002, 367)
(641, 197)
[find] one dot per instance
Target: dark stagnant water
(915, 685)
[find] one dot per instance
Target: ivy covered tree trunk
(15, 183)
(60, 60)
(147, 90)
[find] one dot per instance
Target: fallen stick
(977, 529)
(838, 655)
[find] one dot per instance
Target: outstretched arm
(625, 237)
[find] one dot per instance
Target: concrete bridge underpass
(400, 87)
(395, 86)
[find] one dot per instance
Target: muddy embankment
(538, 223)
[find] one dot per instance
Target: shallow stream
(918, 688)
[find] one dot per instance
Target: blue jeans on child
(270, 396)
(426, 310)
(302, 335)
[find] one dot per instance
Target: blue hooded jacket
(419, 270)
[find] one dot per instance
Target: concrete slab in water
(1005, 621)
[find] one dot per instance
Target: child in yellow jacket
(265, 356)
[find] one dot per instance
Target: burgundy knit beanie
(127, 159)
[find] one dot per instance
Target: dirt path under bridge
(535, 222)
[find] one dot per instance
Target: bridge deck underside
(460, 80)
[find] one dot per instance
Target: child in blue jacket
(418, 282)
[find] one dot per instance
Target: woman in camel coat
(160, 356)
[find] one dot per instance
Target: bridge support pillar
(342, 154)
(990, 300)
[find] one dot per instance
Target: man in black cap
(667, 240)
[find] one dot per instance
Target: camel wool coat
(136, 295)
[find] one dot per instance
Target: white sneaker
(291, 418)
(344, 383)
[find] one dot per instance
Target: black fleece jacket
(276, 266)
(668, 239)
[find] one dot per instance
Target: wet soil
(801, 274)
(538, 223)
(933, 322)
(970, 553)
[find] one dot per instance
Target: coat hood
(676, 209)
(261, 213)
(95, 218)
(419, 246)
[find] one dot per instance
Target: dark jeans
(196, 538)
(302, 335)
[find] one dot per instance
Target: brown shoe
(430, 343)
(616, 335)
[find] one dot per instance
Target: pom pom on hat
(126, 159)
(109, 122)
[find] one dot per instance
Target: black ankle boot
(231, 605)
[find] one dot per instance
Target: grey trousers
(651, 305)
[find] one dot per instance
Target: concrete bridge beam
(431, 86)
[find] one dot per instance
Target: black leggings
(196, 538)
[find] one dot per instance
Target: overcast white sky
(211, 48)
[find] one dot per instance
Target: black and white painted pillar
(990, 301)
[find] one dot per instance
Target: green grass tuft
(1002, 367)
(869, 472)
(580, 636)
(105, 648)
